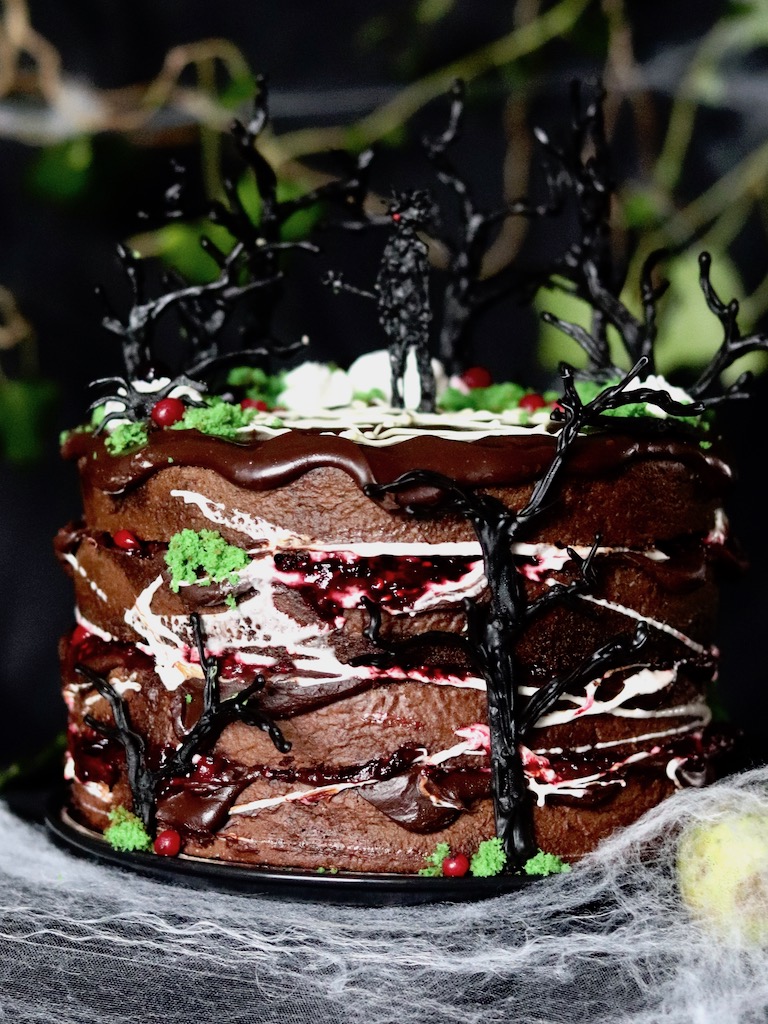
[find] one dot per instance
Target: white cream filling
(643, 683)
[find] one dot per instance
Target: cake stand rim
(304, 885)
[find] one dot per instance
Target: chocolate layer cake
(274, 566)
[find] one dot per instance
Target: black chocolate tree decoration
(585, 174)
(402, 295)
(467, 293)
(249, 278)
(496, 626)
(146, 782)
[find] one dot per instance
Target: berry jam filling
(330, 583)
(96, 758)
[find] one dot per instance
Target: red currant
(205, 769)
(530, 403)
(168, 843)
(79, 635)
(168, 411)
(477, 377)
(456, 866)
(254, 403)
(126, 540)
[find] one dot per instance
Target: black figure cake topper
(402, 295)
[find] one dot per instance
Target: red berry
(456, 866)
(205, 769)
(126, 540)
(254, 403)
(530, 403)
(168, 411)
(477, 377)
(168, 843)
(79, 635)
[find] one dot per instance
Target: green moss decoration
(220, 419)
(126, 437)
(434, 868)
(588, 390)
(83, 428)
(546, 864)
(495, 398)
(126, 832)
(258, 385)
(489, 859)
(370, 397)
(202, 557)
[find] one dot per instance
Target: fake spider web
(611, 942)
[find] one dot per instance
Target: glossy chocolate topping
(275, 461)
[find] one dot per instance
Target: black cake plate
(344, 887)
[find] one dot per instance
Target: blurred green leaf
(237, 91)
(689, 334)
(428, 12)
(25, 406)
(178, 245)
(640, 210)
(63, 172)
(373, 32)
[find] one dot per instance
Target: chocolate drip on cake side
(266, 463)
(495, 626)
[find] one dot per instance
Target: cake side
(389, 734)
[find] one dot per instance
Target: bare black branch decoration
(216, 714)
(495, 626)
(733, 346)
(249, 279)
(141, 778)
(583, 171)
(466, 292)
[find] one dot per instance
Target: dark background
(52, 254)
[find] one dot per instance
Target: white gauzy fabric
(81, 943)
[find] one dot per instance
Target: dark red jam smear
(96, 758)
(394, 582)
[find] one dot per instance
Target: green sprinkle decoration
(202, 557)
(489, 859)
(546, 864)
(434, 868)
(220, 419)
(126, 832)
(126, 437)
